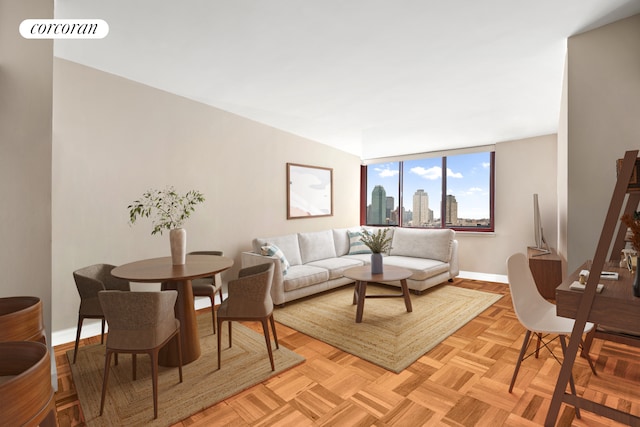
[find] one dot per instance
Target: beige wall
(114, 139)
(523, 167)
(25, 156)
(603, 111)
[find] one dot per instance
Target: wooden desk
(615, 307)
(546, 270)
(362, 275)
(178, 277)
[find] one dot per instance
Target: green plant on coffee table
(378, 242)
(166, 208)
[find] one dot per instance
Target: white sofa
(316, 260)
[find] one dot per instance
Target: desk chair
(537, 315)
(89, 281)
(139, 322)
(249, 299)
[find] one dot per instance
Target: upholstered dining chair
(208, 286)
(537, 315)
(89, 281)
(139, 322)
(249, 299)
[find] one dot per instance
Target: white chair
(536, 314)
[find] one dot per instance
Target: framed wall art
(309, 191)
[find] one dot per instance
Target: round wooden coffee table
(362, 275)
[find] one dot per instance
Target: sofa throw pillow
(272, 250)
(356, 245)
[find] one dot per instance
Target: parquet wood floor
(463, 381)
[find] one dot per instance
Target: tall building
(451, 210)
(378, 212)
(420, 208)
(389, 213)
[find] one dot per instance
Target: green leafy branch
(167, 208)
(378, 242)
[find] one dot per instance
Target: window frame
(364, 195)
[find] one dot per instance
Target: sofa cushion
(288, 245)
(341, 239)
(301, 276)
(421, 268)
(316, 245)
(273, 250)
(356, 245)
(336, 266)
(421, 243)
(365, 259)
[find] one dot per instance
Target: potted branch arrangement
(168, 210)
(378, 242)
(632, 221)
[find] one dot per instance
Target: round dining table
(178, 277)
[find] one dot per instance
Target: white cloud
(386, 172)
(432, 173)
(452, 174)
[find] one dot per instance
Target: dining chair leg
(273, 327)
(539, 335)
(102, 332)
(267, 338)
(134, 365)
(212, 298)
(525, 343)
(105, 379)
(219, 340)
(154, 380)
(78, 329)
(179, 355)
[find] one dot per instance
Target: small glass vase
(376, 263)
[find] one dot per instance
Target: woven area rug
(131, 402)
(388, 336)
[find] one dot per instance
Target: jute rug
(388, 336)
(131, 402)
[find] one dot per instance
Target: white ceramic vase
(178, 241)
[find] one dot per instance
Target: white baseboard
(497, 278)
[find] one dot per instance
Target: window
(382, 190)
(416, 193)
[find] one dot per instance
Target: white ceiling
(372, 77)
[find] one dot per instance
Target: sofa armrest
(454, 267)
(249, 259)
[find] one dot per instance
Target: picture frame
(309, 191)
(634, 183)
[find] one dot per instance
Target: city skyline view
(467, 179)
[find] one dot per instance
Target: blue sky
(467, 180)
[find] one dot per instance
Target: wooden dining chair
(139, 322)
(249, 299)
(89, 281)
(208, 286)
